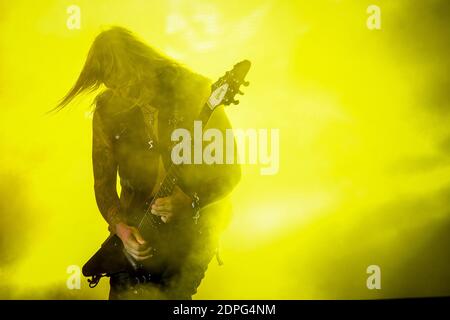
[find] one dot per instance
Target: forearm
(105, 174)
(108, 204)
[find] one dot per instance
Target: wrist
(114, 219)
(118, 227)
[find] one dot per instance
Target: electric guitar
(168, 241)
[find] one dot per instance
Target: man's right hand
(133, 242)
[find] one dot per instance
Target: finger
(139, 253)
(131, 252)
(167, 207)
(140, 258)
(132, 243)
(165, 219)
(144, 258)
(162, 201)
(130, 249)
(161, 212)
(165, 216)
(163, 206)
(138, 237)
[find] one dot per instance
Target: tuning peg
(246, 83)
(235, 102)
(240, 92)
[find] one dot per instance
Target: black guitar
(170, 240)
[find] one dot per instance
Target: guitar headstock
(225, 89)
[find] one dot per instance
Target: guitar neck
(171, 177)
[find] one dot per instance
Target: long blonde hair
(117, 55)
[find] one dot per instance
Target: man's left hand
(171, 207)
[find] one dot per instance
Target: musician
(144, 97)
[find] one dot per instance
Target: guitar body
(170, 244)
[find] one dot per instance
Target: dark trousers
(181, 284)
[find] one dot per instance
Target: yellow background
(364, 143)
